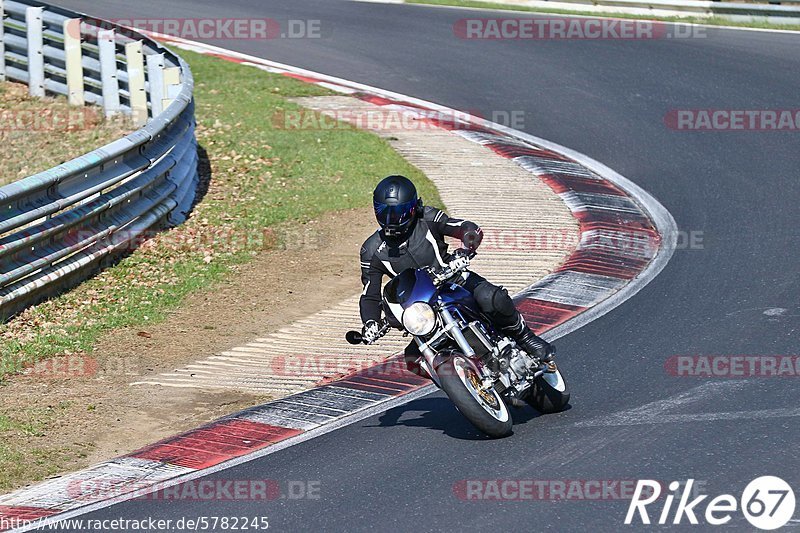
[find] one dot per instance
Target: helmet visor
(395, 218)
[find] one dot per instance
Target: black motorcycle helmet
(397, 206)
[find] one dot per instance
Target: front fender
(445, 355)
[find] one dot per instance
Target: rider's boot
(530, 342)
(499, 307)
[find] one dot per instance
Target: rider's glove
(370, 331)
(459, 260)
(472, 239)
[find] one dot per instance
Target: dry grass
(37, 134)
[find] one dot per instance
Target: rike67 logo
(767, 502)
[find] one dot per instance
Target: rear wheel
(485, 409)
(549, 393)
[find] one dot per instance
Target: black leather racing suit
(425, 246)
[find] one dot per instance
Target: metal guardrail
(59, 226)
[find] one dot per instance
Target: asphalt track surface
(738, 190)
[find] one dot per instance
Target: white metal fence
(59, 226)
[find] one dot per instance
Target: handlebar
(460, 263)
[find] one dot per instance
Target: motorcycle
(481, 370)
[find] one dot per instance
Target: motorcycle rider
(411, 235)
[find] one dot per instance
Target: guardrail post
(2, 44)
(108, 71)
(33, 20)
(172, 82)
(134, 57)
(155, 74)
(74, 59)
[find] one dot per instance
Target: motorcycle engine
(511, 367)
(519, 363)
(513, 364)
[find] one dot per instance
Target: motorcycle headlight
(419, 319)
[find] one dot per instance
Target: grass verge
(264, 178)
(711, 21)
(18, 461)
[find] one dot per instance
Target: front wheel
(485, 409)
(549, 393)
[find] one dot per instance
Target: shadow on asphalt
(439, 413)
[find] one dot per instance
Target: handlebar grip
(354, 337)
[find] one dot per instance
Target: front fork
(431, 360)
(451, 327)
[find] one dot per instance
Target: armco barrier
(59, 226)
